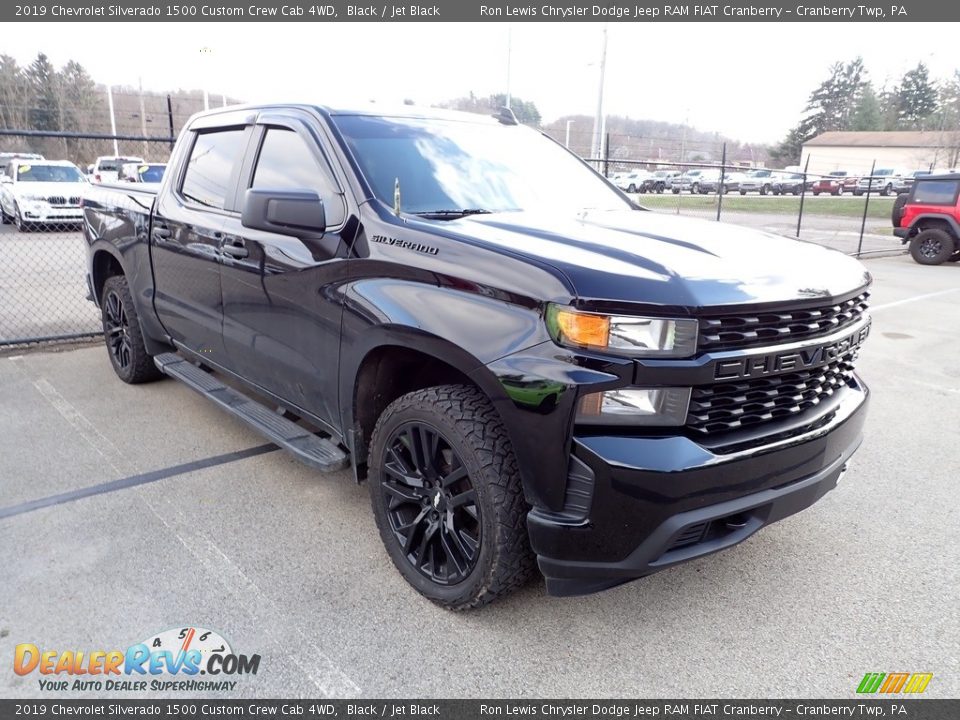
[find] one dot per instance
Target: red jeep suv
(929, 219)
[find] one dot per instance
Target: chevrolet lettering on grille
(789, 361)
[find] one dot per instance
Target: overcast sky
(747, 80)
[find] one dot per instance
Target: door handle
(160, 233)
(235, 250)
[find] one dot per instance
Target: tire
(796, 191)
(896, 215)
(490, 519)
(887, 189)
(675, 191)
(632, 188)
(18, 219)
(858, 192)
(765, 189)
(695, 189)
(932, 247)
(121, 333)
(743, 192)
(4, 218)
(839, 191)
(817, 193)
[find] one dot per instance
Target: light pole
(597, 146)
(567, 143)
(207, 54)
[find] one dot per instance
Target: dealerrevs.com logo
(170, 661)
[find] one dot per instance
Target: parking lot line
(915, 298)
(134, 480)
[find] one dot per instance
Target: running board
(317, 452)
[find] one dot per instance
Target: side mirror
(289, 212)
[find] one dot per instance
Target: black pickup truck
(522, 371)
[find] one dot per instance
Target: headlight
(635, 406)
(638, 336)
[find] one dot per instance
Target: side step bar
(310, 449)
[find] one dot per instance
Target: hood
(657, 259)
(47, 189)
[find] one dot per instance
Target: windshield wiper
(450, 214)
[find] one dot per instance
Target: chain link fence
(43, 291)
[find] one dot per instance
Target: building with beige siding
(855, 152)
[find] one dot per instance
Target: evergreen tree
(867, 113)
(45, 94)
(916, 98)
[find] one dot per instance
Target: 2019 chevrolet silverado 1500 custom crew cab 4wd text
(520, 372)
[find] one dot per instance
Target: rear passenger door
(186, 235)
(282, 307)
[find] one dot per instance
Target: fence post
(170, 119)
(803, 194)
(606, 155)
(866, 206)
(723, 172)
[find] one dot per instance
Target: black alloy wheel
(116, 330)
(121, 333)
(932, 247)
(431, 504)
(447, 497)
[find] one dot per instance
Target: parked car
(106, 169)
(141, 172)
(660, 180)
(835, 183)
(633, 181)
(789, 184)
(760, 181)
(6, 157)
(711, 181)
(883, 181)
(525, 376)
(929, 218)
(910, 178)
(40, 192)
(689, 180)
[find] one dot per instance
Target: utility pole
(143, 118)
(567, 143)
(509, 60)
(113, 120)
(597, 148)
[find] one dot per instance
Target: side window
(210, 167)
(935, 192)
(286, 162)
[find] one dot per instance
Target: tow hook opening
(736, 522)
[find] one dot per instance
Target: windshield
(48, 173)
(151, 173)
(449, 165)
(884, 172)
(113, 164)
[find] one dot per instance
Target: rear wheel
(446, 495)
(887, 189)
(932, 247)
(121, 333)
(765, 189)
(839, 191)
(695, 189)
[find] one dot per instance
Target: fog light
(635, 406)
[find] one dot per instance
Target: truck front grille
(732, 332)
(64, 201)
(737, 404)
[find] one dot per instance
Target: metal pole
(595, 148)
(803, 194)
(170, 119)
(723, 172)
(606, 155)
(866, 205)
(509, 58)
(113, 120)
(567, 143)
(143, 119)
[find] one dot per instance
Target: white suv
(36, 192)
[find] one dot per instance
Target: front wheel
(886, 190)
(121, 333)
(446, 496)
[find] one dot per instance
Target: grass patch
(880, 207)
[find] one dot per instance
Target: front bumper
(657, 502)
